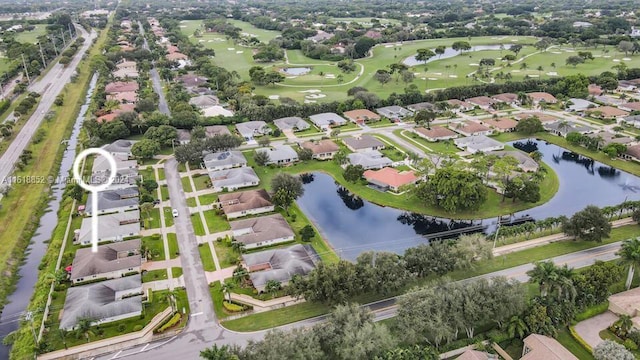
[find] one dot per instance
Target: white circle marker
(94, 189)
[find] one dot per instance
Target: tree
(407, 76)
(340, 157)
(218, 353)
(113, 130)
(461, 46)
(503, 168)
(574, 60)
(625, 46)
(424, 55)
(145, 149)
(436, 258)
(516, 327)
(586, 55)
(487, 62)
(272, 287)
(146, 209)
(264, 141)
(353, 173)
(75, 191)
(382, 272)
(440, 50)
(227, 286)
(273, 77)
(165, 135)
(425, 117)
(630, 255)
(305, 154)
(515, 48)
(471, 248)
(261, 158)
(286, 189)
(382, 76)
(610, 350)
(307, 233)
(83, 328)
(589, 224)
(453, 190)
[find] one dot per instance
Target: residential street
(155, 79)
(49, 87)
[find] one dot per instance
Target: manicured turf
(31, 37)
(147, 174)
(227, 256)
(269, 319)
(168, 216)
(156, 246)
(174, 250)
(154, 275)
(207, 258)
(164, 190)
(161, 175)
(152, 219)
(186, 184)
(191, 202)
(198, 227)
(176, 272)
(201, 181)
(215, 223)
(565, 338)
(208, 199)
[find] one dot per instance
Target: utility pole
(64, 42)
(26, 71)
(70, 32)
(497, 231)
(44, 62)
(55, 48)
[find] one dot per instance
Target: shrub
(174, 320)
(629, 344)
(579, 339)
(232, 307)
(122, 327)
(634, 335)
(498, 336)
(592, 311)
(137, 327)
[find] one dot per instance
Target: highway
(49, 86)
(188, 344)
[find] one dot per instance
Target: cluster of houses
(173, 52)
(107, 285)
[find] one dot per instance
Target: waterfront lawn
(196, 221)
(186, 184)
(176, 272)
(208, 199)
(445, 147)
(155, 244)
(201, 181)
(207, 257)
(215, 222)
(154, 275)
(174, 249)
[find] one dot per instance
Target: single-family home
(262, 231)
(609, 100)
(607, 113)
(594, 90)
(630, 107)
(626, 303)
(580, 105)
(293, 123)
(121, 86)
(111, 261)
(389, 178)
(540, 347)
(363, 143)
(371, 159)
(544, 118)
(280, 154)
(125, 73)
(611, 138)
(460, 105)
(224, 160)
(325, 121)
(501, 124)
(243, 203)
(114, 200)
(233, 179)
(127, 64)
(279, 264)
(525, 162)
(372, 34)
(191, 80)
(628, 85)
(216, 110)
(102, 166)
(176, 56)
(361, 116)
(632, 153)
(320, 36)
(483, 102)
(111, 227)
(471, 128)
(124, 97)
(394, 112)
(507, 98)
(184, 136)
(422, 106)
(250, 129)
(435, 133)
(632, 120)
(478, 143)
(103, 302)
(538, 97)
(204, 101)
(107, 118)
(321, 149)
(562, 128)
(119, 147)
(215, 130)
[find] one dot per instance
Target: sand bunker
(437, 73)
(388, 46)
(453, 76)
(432, 79)
(534, 76)
(239, 52)
(274, 97)
(616, 60)
(311, 91)
(552, 73)
(291, 77)
(556, 52)
(231, 49)
(315, 96)
(515, 70)
(626, 59)
(309, 101)
(474, 64)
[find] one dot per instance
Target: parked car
(175, 212)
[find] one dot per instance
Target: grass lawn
(208, 199)
(164, 190)
(156, 245)
(201, 181)
(168, 216)
(147, 174)
(207, 257)
(215, 223)
(161, 175)
(269, 319)
(174, 249)
(191, 202)
(198, 228)
(31, 37)
(565, 338)
(441, 147)
(176, 272)
(319, 245)
(153, 275)
(227, 256)
(186, 184)
(152, 220)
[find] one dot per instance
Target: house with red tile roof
(537, 97)
(460, 105)
(595, 90)
(632, 106)
(508, 98)
(361, 116)
(607, 112)
(501, 124)
(124, 97)
(120, 86)
(544, 118)
(435, 133)
(176, 56)
(389, 178)
(470, 128)
(484, 102)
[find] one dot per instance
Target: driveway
(589, 329)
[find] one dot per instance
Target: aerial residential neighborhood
(320, 180)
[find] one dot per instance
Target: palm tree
(170, 296)
(516, 327)
(146, 209)
(227, 286)
(272, 287)
(83, 328)
(545, 273)
(63, 336)
(139, 123)
(536, 155)
(624, 324)
(237, 246)
(630, 255)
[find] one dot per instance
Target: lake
(296, 71)
(449, 53)
(352, 225)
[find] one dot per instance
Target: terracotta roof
(459, 103)
(244, 200)
(608, 111)
(506, 97)
(172, 49)
(541, 116)
(373, 34)
(120, 86)
(122, 108)
(633, 151)
(361, 115)
(176, 56)
(435, 132)
(124, 96)
(391, 177)
(501, 123)
(473, 355)
(540, 96)
(545, 348)
(634, 106)
(481, 100)
(470, 127)
(320, 147)
(595, 90)
(107, 118)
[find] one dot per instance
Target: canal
(352, 225)
(17, 302)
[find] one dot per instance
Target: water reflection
(350, 200)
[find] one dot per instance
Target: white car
(175, 212)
